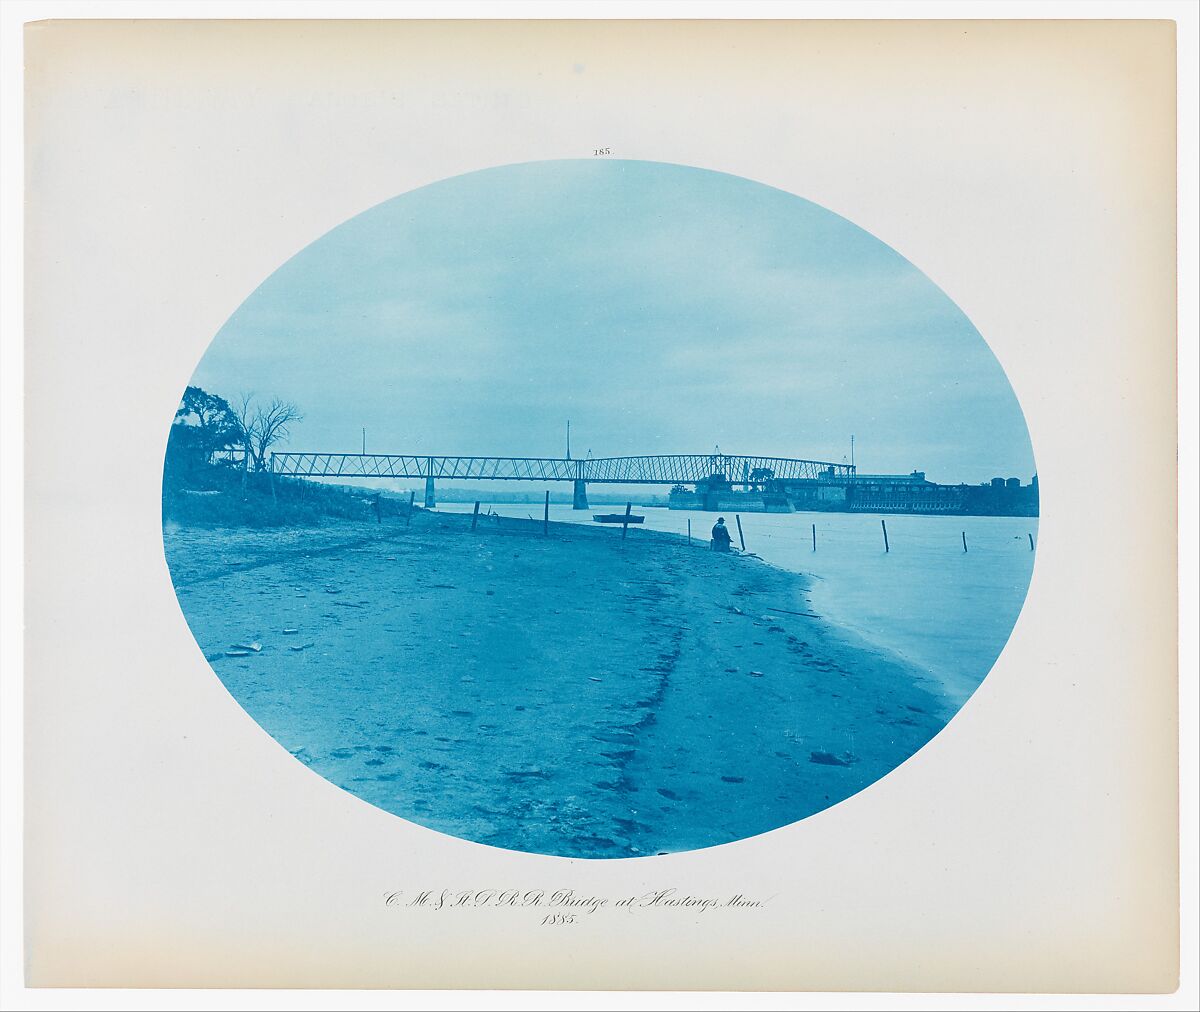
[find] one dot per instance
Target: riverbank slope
(573, 694)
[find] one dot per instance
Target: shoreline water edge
(572, 692)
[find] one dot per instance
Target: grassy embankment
(222, 495)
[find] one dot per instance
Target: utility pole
(852, 449)
(568, 439)
(364, 440)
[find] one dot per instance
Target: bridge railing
(684, 469)
(387, 465)
(651, 469)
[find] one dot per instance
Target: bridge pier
(579, 502)
(429, 500)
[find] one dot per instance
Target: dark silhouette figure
(720, 536)
(379, 508)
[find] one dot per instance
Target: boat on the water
(617, 518)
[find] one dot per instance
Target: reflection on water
(946, 610)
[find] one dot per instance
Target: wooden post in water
(411, 497)
(886, 546)
(964, 540)
(475, 515)
(625, 525)
(742, 539)
(1031, 542)
(546, 516)
(271, 478)
(814, 537)
(689, 530)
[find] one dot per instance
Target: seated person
(721, 540)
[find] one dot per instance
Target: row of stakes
(882, 523)
(741, 536)
(887, 547)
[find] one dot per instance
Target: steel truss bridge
(676, 469)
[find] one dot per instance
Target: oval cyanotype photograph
(600, 509)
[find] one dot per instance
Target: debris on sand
(248, 647)
(520, 770)
(829, 759)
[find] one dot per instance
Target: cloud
(662, 308)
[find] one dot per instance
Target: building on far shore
(860, 493)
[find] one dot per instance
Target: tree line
(206, 425)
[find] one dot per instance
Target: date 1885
(559, 919)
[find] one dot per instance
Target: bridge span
(658, 469)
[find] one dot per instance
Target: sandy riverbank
(571, 694)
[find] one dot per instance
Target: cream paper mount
(1025, 168)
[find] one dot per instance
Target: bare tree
(262, 427)
(269, 427)
(244, 413)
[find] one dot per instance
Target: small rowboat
(617, 518)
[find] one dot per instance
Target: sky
(661, 308)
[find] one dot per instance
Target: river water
(947, 610)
